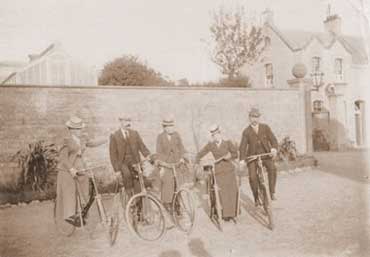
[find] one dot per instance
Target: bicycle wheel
(145, 218)
(114, 220)
(266, 201)
(211, 198)
(183, 210)
(62, 226)
(218, 210)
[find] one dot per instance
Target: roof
(33, 57)
(8, 78)
(297, 40)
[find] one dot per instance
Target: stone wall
(30, 113)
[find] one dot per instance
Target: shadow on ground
(196, 247)
(255, 213)
(170, 253)
(204, 202)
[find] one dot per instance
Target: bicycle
(109, 222)
(263, 187)
(183, 211)
(214, 201)
(144, 214)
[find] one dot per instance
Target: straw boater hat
(75, 123)
(254, 112)
(168, 121)
(214, 129)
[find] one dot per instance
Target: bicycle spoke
(145, 218)
(183, 210)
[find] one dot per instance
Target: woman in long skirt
(224, 171)
(70, 161)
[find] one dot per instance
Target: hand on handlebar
(73, 172)
(227, 156)
(273, 152)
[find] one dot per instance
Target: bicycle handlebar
(169, 165)
(82, 172)
(256, 156)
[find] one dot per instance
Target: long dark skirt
(227, 183)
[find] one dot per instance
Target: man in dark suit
(258, 138)
(125, 146)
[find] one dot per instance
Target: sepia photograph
(185, 128)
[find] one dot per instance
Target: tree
(236, 41)
(128, 70)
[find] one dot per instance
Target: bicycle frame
(172, 166)
(97, 197)
(217, 196)
(108, 222)
(145, 197)
(262, 183)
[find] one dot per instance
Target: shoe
(227, 219)
(70, 221)
(75, 220)
(273, 197)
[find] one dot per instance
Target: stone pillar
(338, 134)
(304, 85)
(363, 121)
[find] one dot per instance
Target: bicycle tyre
(210, 199)
(266, 201)
(215, 211)
(140, 221)
(183, 211)
(62, 226)
(219, 212)
(114, 220)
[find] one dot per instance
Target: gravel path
(317, 214)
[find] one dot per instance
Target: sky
(169, 35)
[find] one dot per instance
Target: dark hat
(254, 112)
(168, 121)
(214, 129)
(75, 123)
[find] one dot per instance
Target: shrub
(287, 149)
(37, 162)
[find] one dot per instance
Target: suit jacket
(250, 140)
(225, 147)
(70, 154)
(119, 147)
(170, 151)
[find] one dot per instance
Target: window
(317, 106)
(269, 79)
(267, 42)
(338, 68)
(316, 62)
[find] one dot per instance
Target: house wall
(354, 85)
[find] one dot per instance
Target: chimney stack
(333, 24)
(268, 16)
